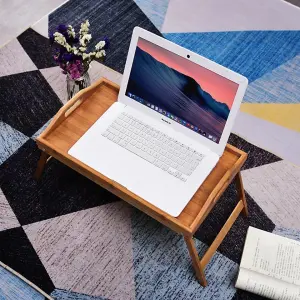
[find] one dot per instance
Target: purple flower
(75, 69)
(68, 56)
(51, 37)
(78, 57)
(62, 28)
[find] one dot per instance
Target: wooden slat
(199, 269)
(241, 192)
(185, 219)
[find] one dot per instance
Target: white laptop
(170, 125)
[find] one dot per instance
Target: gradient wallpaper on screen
(181, 87)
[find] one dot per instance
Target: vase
(75, 85)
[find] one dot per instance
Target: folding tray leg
(199, 269)
(41, 165)
(241, 192)
(200, 264)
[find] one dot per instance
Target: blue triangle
(251, 53)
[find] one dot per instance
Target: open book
(270, 266)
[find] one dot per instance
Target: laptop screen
(181, 90)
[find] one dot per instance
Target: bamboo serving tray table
(82, 111)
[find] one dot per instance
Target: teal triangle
(251, 53)
(154, 10)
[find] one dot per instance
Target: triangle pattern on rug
(286, 115)
(250, 53)
(10, 141)
(163, 267)
(7, 217)
(89, 251)
(267, 185)
(283, 142)
(41, 26)
(256, 156)
(14, 59)
(281, 85)
(18, 253)
(230, 15)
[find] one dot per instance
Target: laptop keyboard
(154, 146)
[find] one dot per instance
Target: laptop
(170, 125)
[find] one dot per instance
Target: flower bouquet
(71, 54)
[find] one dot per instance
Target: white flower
(59, 38)
(100, 45)
(57, 34)
(82, 49)
(85, 38)
(68, 47)
(100, 53)
(84, 27)
(85, 56)
(75, 50)
(71, 31)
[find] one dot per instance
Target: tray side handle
(71, 105)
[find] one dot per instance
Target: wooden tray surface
(81, 112)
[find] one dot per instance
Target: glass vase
(75, 85)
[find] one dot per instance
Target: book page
(266, 286)
(272, 255)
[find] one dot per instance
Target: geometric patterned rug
(75, 240)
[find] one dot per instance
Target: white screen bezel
(198, 59)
